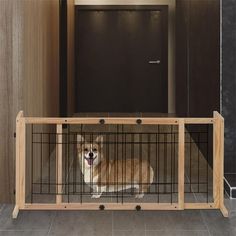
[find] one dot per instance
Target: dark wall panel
(229, 83)
(181, 69)
(197, 57)
(204, 57)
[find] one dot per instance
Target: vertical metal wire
(32, 161)
(106, 155)
(159, 182)
(100, 167)
(165, 162)
(81, 164)
(91, 167)
(190, 165)
(68, 163)
(149, 163)
(157, 157)
(132, 158)
(122, 162)
(108, 159)
(74, 167)
(140, 164)
(41, 162)
(198, 157)
(82, 143)
(207, 163)
(171, 166)
(125, 162)
(49, 163)
(174, 164)
(117, 151)
(65, 143)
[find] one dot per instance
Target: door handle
(155, 62)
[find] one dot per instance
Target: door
(121, 59)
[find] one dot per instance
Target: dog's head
(90, 153)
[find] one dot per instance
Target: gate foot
(224, 211)
(15, 212)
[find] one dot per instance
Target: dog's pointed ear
(99, 140)
(80, 140)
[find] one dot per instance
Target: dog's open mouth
(90, 160)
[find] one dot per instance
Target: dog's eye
(94, 149)
(86, 149)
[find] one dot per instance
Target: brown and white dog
(104, 175)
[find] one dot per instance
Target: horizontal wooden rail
(117, 120)
(115, 206)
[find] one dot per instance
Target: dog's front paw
(96, 195)
(140, 195)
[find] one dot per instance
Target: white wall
(171, 36)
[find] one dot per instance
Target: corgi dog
(105, 175)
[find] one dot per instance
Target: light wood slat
(181, 164)
(108, 206)
(22, 162)
(116, 120)
(199, 206)
(59, 164)
(17, 167)
(223, 209)
(216, 160)
(89, 120)
(218, 163)
(198, 120)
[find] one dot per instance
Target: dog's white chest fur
(89, 178)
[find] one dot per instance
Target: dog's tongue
(90, 161)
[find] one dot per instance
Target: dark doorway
(121, 59)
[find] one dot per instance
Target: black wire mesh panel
(117, 163)
(198, 163)
(139, 163)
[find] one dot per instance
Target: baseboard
(230, 185)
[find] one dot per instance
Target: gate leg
(15, 212)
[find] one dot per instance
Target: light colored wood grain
(7, 123)
(198, 120)
(199, 206)
(221, 165)
(89, 120)
(218, 163)
(59, 164)
(29, 73)
(17, 165)
(15, 212)
(116, 120)
(108, 206)
(216, 160)
(181, 134)
(22, 162)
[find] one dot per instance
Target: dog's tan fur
(115, 175)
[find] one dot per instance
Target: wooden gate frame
(218, 164)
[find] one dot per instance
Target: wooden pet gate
(119, 163)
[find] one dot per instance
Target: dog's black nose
(90, 154)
